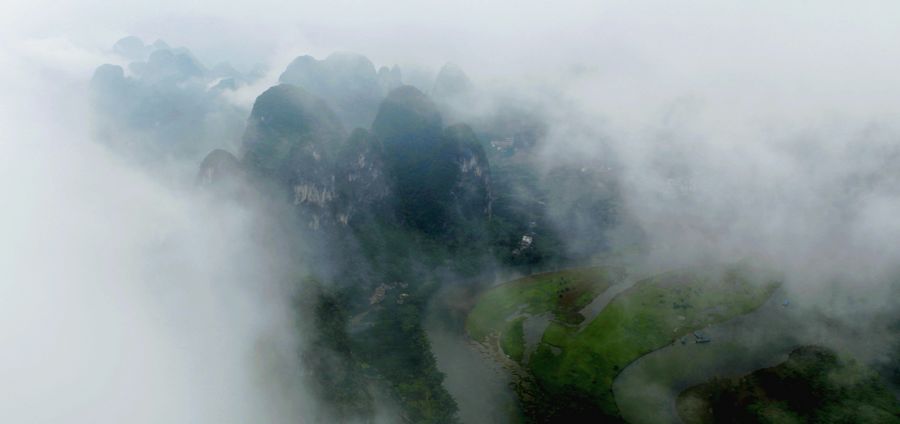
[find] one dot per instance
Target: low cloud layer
(764, 131)
(124, 298)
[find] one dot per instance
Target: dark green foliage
(397, 348)
(813, 385)
(410, 127)
(336, 376)
(387, 338)
(361, 184)
(892, 369)
(440, 178)
(409, 124)
(571, 406)
(287, 125)
(472, 194)
(519, 209)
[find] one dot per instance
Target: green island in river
(575, 360)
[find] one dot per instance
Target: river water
(646, 391)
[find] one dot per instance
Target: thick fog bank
(126, 299)
(721, 131)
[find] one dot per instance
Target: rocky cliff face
(409, 166)
(473, 191)
(290, 129)
(361, 181)
(292, 137)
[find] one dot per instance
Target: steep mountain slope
(439, 176)
(348, 82)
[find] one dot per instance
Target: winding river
(646, 391)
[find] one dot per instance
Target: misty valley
(331, 238)
(428, 208)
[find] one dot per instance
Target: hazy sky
(771, 36)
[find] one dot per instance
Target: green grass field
(574, 362)
(561, 293)
(512, 340)
(649, 315)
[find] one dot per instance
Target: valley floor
(631, 344)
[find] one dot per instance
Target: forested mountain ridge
(392, 196)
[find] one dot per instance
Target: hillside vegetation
(813, 385)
